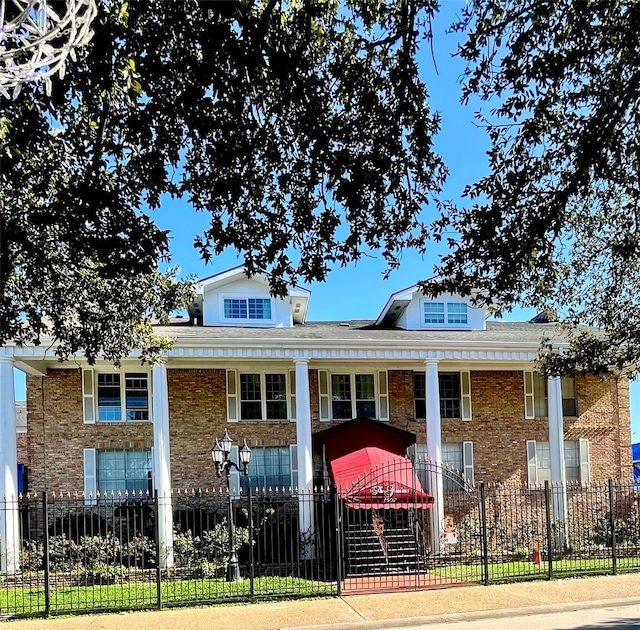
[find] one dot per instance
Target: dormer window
(247, 308)
(456, 313)
(449, 313)
(434, 312)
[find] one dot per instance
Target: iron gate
(394, 541)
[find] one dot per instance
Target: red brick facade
(56, 434)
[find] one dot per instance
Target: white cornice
(353, 349)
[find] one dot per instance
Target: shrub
(98, 573)
(207, 570)
(212, 546)
(32, 556)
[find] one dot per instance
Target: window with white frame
(576, 461)
(353, 396)
(456, 457)
(449, 313)
(117, 397)
(536, 395)
(247, 308)
(344, 396)
(454, 391)
(271, 467)
(569, 406)
(123, 470)
(258, 396)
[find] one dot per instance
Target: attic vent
(545, 317)
(395, 308)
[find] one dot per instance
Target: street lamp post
(220, 454)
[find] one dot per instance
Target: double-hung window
(245, 308)
(576, 461)
(258, 395)
(537, 398)
(115, 396)
(457, 460)
(116, 471)
(353, 396)
(121, 471)
(454, 390)
(271, 467)
(344, 396)
(444, 313)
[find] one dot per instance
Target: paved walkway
(369, 612)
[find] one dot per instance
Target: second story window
(117, 403)
(537, 398)
(247, 308)
(353, 396)
(454, 390)
(262, 396)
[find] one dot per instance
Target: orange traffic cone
(536, 556)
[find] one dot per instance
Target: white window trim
(352, 374)
(246, 320)
(445, 324)
(123, 400)
(529, 397)
(263, 401)
(293, 466)
(584, 463)
(466, 409)
(121, 493)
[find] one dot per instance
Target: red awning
(374, 478)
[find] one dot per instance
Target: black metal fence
(75, 556)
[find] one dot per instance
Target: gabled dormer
(231, 298)
(412, 310)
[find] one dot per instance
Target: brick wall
(197, 410)
(499, 430)
(57, 434)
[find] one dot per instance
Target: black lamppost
(220, 454)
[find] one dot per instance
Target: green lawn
(525, 570)
(25, 601)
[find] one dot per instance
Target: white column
(162, 463)
(305, 460)
(434, 452)
(556, 449)
(9, 528)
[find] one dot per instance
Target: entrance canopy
(371, 477)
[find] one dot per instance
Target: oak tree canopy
(556, 221)
(304, 131)
(302, 128)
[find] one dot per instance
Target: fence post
(612, 524)
(483, 533)
(156, 527)
(336, 502)
(251, 558)
(547, 507)
(47, 576)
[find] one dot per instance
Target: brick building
(251, 363)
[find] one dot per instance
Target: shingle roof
(496, 332)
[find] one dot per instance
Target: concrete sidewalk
(368, 612)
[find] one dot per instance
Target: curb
(478, 615)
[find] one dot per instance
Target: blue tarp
(635, 456)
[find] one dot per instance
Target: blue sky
(359, 290)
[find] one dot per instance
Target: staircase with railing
(382, 543)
